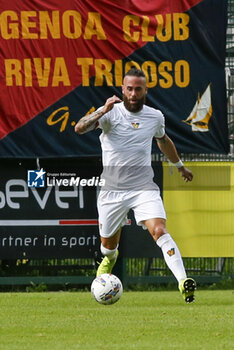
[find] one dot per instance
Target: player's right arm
(90, 122)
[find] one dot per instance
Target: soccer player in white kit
(128, 128)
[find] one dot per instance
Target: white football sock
(111, 254)
(172, 256)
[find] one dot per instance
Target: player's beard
(136, 107)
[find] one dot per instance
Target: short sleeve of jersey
(160, 131)
(104, 122)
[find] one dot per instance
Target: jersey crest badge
(135, 125)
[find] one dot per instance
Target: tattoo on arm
(88, 122)
(162, 140)
(167, 147)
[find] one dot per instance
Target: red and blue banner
(60, 60)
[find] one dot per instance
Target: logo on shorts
(135, 125)
(171, 252)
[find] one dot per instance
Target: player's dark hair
(134, 72)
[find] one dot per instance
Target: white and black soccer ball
(106, 289)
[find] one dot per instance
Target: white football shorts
(113, 207)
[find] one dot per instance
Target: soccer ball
(106, 289)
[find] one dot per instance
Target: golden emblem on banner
(201, 112)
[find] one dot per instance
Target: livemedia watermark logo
(39, 178)
(36, 178)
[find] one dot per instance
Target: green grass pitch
(140, 320)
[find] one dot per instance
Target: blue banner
(62, 61)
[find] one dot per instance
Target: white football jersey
(126, 142)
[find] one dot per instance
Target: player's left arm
(167, 147)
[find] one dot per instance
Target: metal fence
(132, 271)
(230, 73)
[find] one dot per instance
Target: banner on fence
(51, 212)
(60, 60)
(202, 219)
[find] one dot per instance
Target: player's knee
(158, 232)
